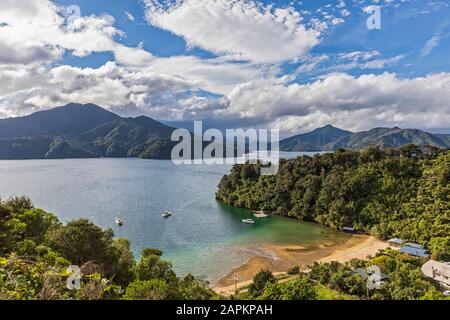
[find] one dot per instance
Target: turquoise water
(202, 236)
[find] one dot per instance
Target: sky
(290, 65)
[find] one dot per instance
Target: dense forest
(36, 251)
(401, 192)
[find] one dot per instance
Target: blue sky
(295, 65)
(406, 28)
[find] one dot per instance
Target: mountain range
(83, 131)
(89, 131)
(330, 138)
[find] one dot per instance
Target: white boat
(260, 214)
(166, 214)
(119, 222)
(248, 221)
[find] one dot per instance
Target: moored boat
(166, 214)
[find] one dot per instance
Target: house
(439, 271)
(415, 245)
(414, 249)
(395, 242)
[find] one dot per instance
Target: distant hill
(444, 137)
(329, 138)
(83, 131)
(316, 140)
(69, 119)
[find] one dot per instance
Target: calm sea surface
(202, 236)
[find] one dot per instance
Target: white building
(439, 271)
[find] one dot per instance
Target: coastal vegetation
(401, 192)
(394, 192)
(36, 251)
(403, 280)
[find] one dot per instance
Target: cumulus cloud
(34, 35)
(36, 31)
(212, 75)
(357, 102)
(112, 86)
(240, 30)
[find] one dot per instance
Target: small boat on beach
(166, 214)
(261, 214)
(248, 221)
(119, 222)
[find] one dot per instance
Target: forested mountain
(394, 192)
(329, 138)
(69, 119)
(83, 131)
(320, 139)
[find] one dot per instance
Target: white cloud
(129, 16)
(240, 30)
(381, 63)
(432, 43)
(353, 102)
(35, 31)
(34, 35)
(337, 21)
(212, 74)
(112, 86)
(363, 60)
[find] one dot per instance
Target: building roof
(395, 240)
(439, 271)
(414, 251)
(348, 229)
(414, 245)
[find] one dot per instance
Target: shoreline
(286, 256)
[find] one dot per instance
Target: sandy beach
(286, 256)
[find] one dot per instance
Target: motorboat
(119, 222)
(166, 214)
(248, 221)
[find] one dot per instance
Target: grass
(324, 293)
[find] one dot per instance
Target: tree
(37, 222)
(81, 241)
(299, 289)
(10, 230)
(293, 270)
(124, 272)
(151, 266)
(440, 247)
(17, 204)
(260, 281)
(192, 289)
(154, 289)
